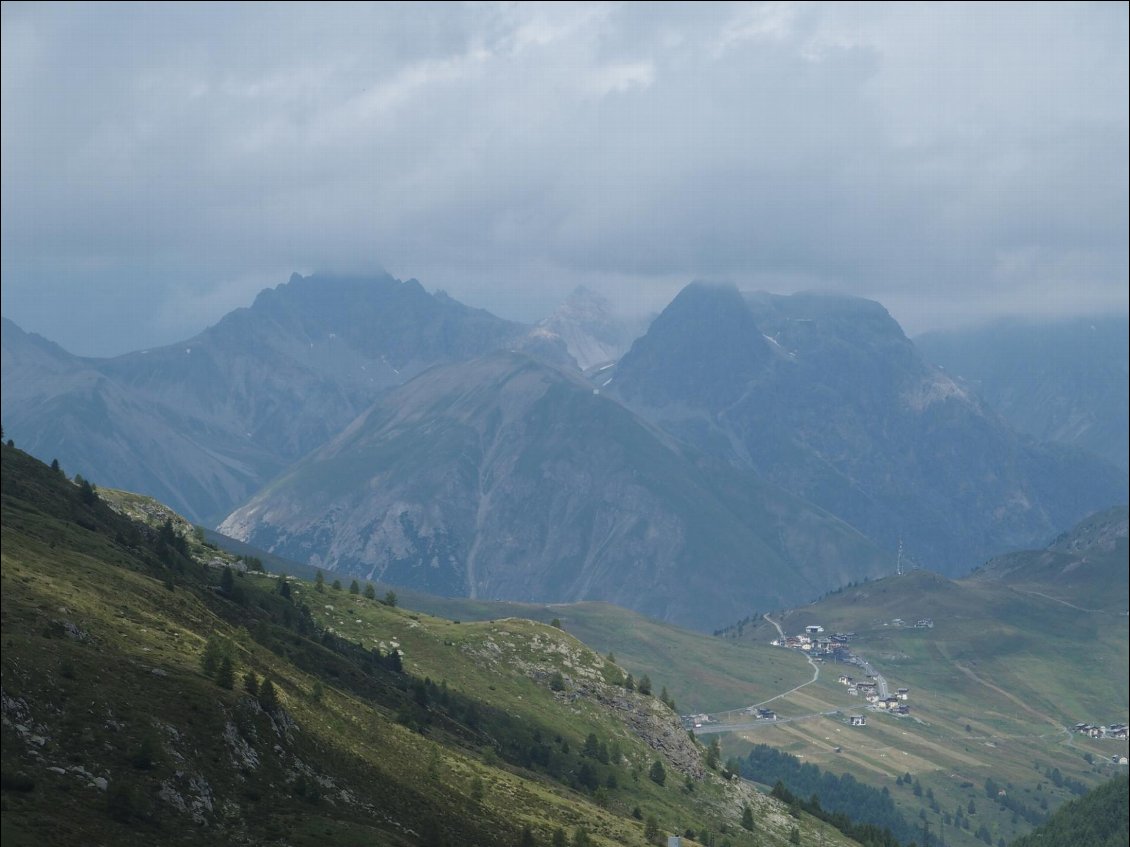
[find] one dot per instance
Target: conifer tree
(225, 674)
(268, 699)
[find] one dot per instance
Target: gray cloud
(162, 163)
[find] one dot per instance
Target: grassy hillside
(995, 686)
(700, 672)
(128, 717)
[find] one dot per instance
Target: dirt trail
(1010, 697)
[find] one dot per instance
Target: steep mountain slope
(1065, 381)
(150, 699)
(826, 397)
(506, 478)
(203, 423)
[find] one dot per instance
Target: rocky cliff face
(826, 397)
(204, 423)
(506, 478)
(590, 329)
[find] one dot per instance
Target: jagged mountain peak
(592, 331)
(826, 396)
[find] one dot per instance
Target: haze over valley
(544, 424)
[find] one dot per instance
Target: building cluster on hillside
(817, 644)
(868, 689)
(1117, 731)
(820, 646)
(921, 623)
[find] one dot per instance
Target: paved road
(881, 683)
(715, 728)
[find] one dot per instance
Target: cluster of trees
(1098, 819)
(1008, 800)
(867, 834)
(370, 593)
(841, 800)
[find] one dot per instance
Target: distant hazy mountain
(1085, 566)
(204, 423)
(1065, 381)
(591, 330)
(826, 397)
(506, 478)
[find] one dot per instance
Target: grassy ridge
(114, 734)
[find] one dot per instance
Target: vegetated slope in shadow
(1100, 819)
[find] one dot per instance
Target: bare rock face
(590, 329)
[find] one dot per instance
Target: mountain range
(748, 450)
(204, 423)
(504, 477)
(826, 397)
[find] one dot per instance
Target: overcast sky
(163, 163)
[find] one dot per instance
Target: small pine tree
(268, 699)
(644, 685)
(559, 839)
(213, 653)
(557, 623)
(713, 753)
(354, 587)
(251, 683)
(337, 585)
(651, 830)
(747, 817)
(319, 581)
(317, 692)
(592, 746)
(657, 773)
(227, 582)
(55, 466)
(225, 674)
(557, 682)
(391, 599)
(370, 592)
(284, 588)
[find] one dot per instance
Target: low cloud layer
(162, 163)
